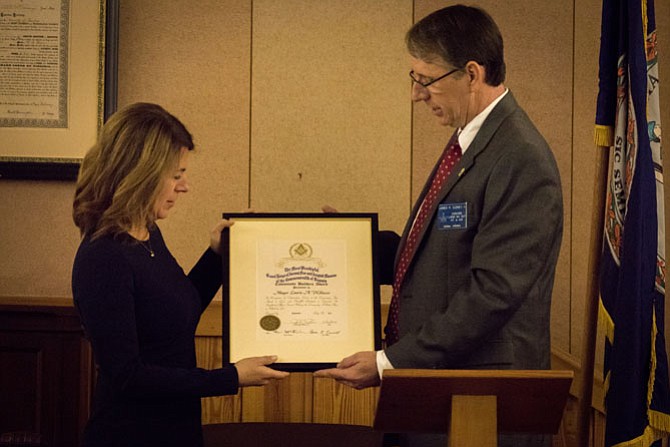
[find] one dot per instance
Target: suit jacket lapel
(499, 113)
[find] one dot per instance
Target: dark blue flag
(632, 276)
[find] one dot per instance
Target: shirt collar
(469, 132)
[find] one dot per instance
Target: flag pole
(586, 373)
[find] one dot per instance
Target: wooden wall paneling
(253, 409)
(563, 360)
(38, 239)
(194, 59)
(323, 134)
(287, 400)
(338, 404)
(558, 440)
(567, 435)
(330, 115)
(569, 425)
(566, 361)
(220, 408)
(20, 379)
(598, 429)
(45, 371)
(539, 61)
(326, 105)
(587, 47)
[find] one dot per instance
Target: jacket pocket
(497, 354)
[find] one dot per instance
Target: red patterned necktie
(450, 158)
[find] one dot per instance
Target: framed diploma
(303, 287)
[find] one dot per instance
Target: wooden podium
(473, 406)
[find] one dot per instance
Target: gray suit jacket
(478, 296)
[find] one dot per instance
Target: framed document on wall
(58, 65)
(303, 287)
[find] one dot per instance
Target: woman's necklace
(139, 235)
(147, 246)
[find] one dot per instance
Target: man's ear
(476, 73)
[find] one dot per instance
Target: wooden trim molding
(563, 360)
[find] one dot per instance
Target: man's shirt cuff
(382, 363)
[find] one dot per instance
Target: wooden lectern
(473, 406)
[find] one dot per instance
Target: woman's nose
(183, 186)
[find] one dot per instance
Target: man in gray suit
(474, 269)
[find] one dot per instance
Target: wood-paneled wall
(299, 398)
(303, 398)
(298, 103)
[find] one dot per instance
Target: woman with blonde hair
(138, 308)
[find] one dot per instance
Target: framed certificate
(58, 83)
(303, 287)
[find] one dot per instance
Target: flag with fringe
(632, 271)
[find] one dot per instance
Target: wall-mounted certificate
(301, 286)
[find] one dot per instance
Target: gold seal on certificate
(270, 323)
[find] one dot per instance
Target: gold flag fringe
(659, 423)
(658, 420)
(646, 439)
(605, 321)
(603, 135)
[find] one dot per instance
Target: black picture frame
(302, 219)
(67, 169)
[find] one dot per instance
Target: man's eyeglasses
(432, 81)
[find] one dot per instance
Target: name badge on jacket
(452, 216)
